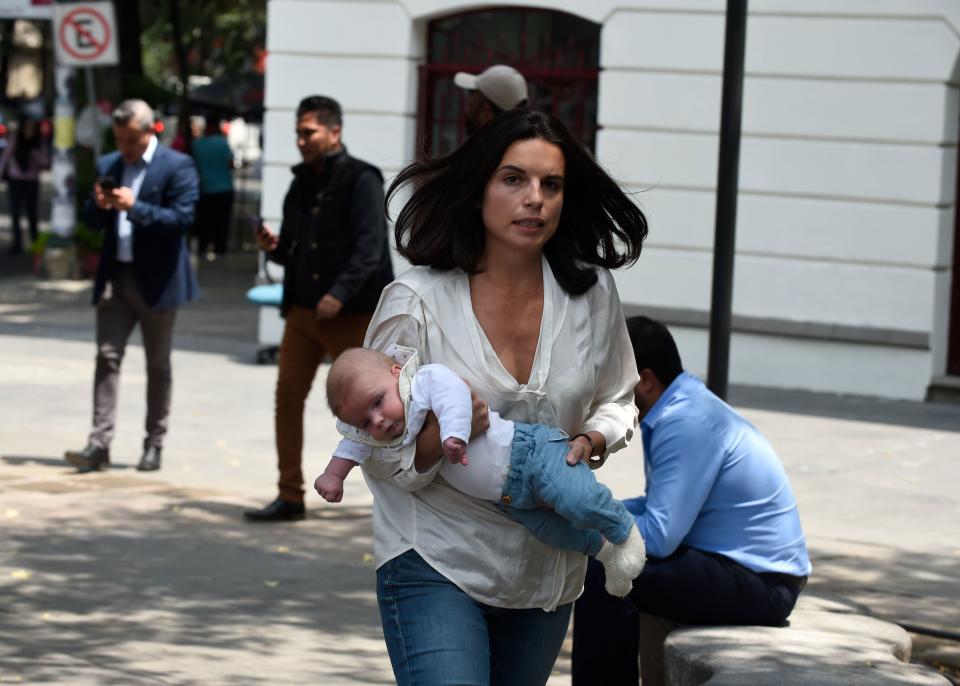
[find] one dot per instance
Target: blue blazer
(161, 218)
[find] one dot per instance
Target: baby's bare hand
(455, 450)
(330, 487)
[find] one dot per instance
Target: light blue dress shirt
(133, 175)
(714, 483)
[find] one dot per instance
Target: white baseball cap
(504, 86)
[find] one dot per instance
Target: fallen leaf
(283, 549)
(271, 584)
(21, 574)
(46, 616)
(367, 559)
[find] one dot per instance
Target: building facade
(846, 232)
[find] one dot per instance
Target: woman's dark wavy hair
(441, 226)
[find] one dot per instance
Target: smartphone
(256, 223)
(107, 183)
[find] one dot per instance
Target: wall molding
(771, 326)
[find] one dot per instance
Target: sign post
(84, 36)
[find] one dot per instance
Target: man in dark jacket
(333, 246)
(144, 200)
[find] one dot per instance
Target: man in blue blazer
(144, 201)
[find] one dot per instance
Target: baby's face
(374, 405)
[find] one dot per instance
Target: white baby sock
(623, 563)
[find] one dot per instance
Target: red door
(558, 54)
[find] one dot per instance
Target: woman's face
(523, 198)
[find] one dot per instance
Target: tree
(218, 37)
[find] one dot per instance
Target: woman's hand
(429, 448)
(481, 415)
(590, 448)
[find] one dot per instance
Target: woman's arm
(399, 320)
(612, 416)
(429, 445)
(428, 449)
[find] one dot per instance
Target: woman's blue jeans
(438, 636)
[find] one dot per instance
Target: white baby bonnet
(410, 361)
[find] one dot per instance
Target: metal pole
(727, 177)
(92, 102)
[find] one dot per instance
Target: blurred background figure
(20, 165)
(143, 200)
(494, 90)
(214, 160)
(179, 142)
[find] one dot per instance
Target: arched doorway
(558, 54)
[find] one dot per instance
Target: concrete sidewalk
(121, 577)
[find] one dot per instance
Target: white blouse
(582, 380)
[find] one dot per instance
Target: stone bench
(826, 642)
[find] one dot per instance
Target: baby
(519, 466)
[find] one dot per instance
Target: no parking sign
(85, 34)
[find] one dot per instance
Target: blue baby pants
(582, 507)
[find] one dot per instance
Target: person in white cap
(496, 89)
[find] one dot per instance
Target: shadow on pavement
(160, 590)
(220, 321)
(57, 462)
(921, 415)
(918, 589)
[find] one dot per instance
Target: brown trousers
(121, 307)
(306, 342)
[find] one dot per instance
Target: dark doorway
(953, 344)
(558, 54)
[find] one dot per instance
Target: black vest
(317, 210)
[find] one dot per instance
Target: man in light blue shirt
(719, 520)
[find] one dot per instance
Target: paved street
(126, 578)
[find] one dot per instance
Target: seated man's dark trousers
(690, 586)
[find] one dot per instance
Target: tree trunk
(128, 37)
(182, 68)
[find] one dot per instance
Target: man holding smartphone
(336, 257)
(143, 201)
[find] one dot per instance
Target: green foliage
(87, 241)
(220, 37)
(39, 245)
(147, 89)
